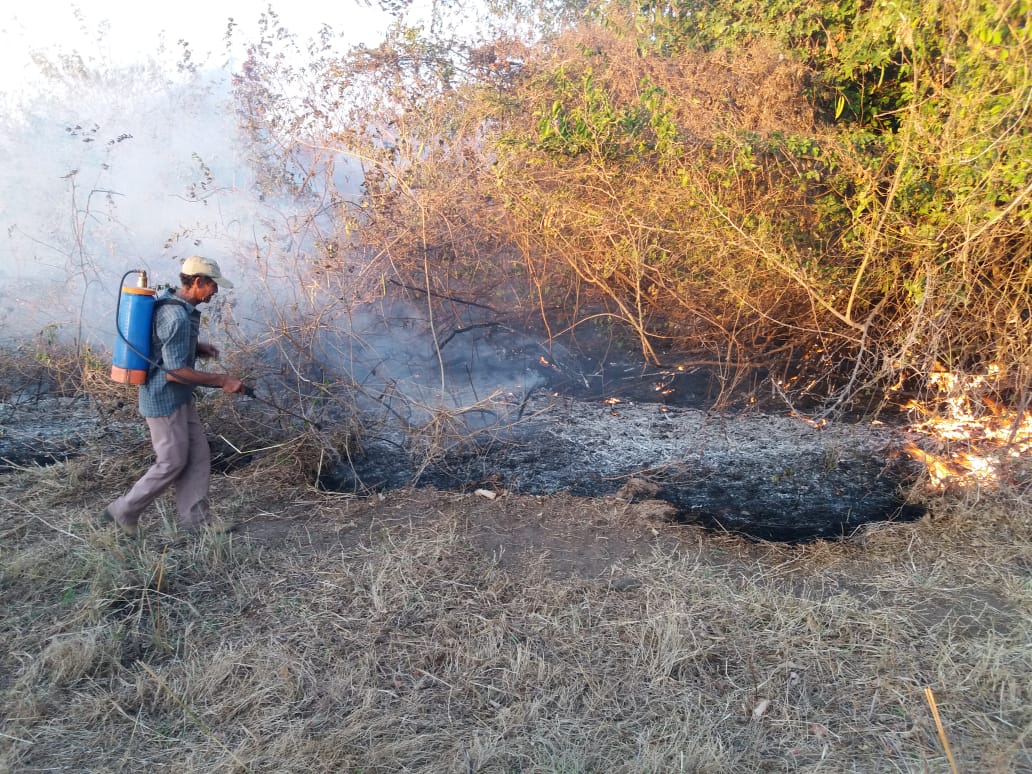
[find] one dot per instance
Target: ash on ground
(37, 430)
(766, 476)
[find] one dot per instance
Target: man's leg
(170, 437)
(192, 483)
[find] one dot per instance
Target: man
(167, 403)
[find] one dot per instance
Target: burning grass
(427, 631)
(968, 438)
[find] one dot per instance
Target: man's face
(201, 291)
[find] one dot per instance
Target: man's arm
(192, 376)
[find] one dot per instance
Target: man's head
(196, 266)
(200, 279)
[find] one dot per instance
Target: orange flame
(817, 424)
(974, 439)
(941, 471)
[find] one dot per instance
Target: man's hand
(232, 385)
(204, 349)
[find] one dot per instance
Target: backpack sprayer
(131, 358)
(135, 312)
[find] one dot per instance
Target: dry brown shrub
(754, 89)
(676, 242)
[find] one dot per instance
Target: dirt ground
(570, 535)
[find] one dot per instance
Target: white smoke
(112, 168)
(116, 160)
(99, 169)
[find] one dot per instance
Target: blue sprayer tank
(129, 362)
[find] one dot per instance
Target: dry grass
(425, 631)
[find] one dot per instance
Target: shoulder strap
(171, 300)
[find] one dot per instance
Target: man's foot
(126, 529)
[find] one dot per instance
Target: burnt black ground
(766, 476)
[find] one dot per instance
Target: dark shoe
(126, 529)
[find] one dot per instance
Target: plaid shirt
(174, 334)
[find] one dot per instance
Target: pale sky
(125, 31)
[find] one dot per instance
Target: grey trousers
(183, 461)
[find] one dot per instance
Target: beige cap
(196, 265)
